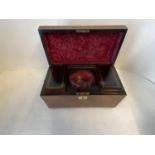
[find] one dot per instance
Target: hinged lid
(82, 44)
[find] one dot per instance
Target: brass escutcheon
(82, 95)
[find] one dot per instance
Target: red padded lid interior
(96, 47)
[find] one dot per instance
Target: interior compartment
(106, 80)
(54, 82)
(109, 77)
(56, 78)
(110, 81)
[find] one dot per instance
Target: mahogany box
(82, 53)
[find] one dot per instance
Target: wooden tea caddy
(72, 48)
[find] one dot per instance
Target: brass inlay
(82, 93)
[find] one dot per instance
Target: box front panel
(90, 101)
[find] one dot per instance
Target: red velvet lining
(82, 48)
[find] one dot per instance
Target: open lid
(82, 44)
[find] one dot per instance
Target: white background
(67, 144)
(23, 67)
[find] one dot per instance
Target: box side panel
(44, 84)
(121, 85)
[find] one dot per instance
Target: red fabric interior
(82, 48)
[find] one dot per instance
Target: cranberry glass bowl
(82, 79)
